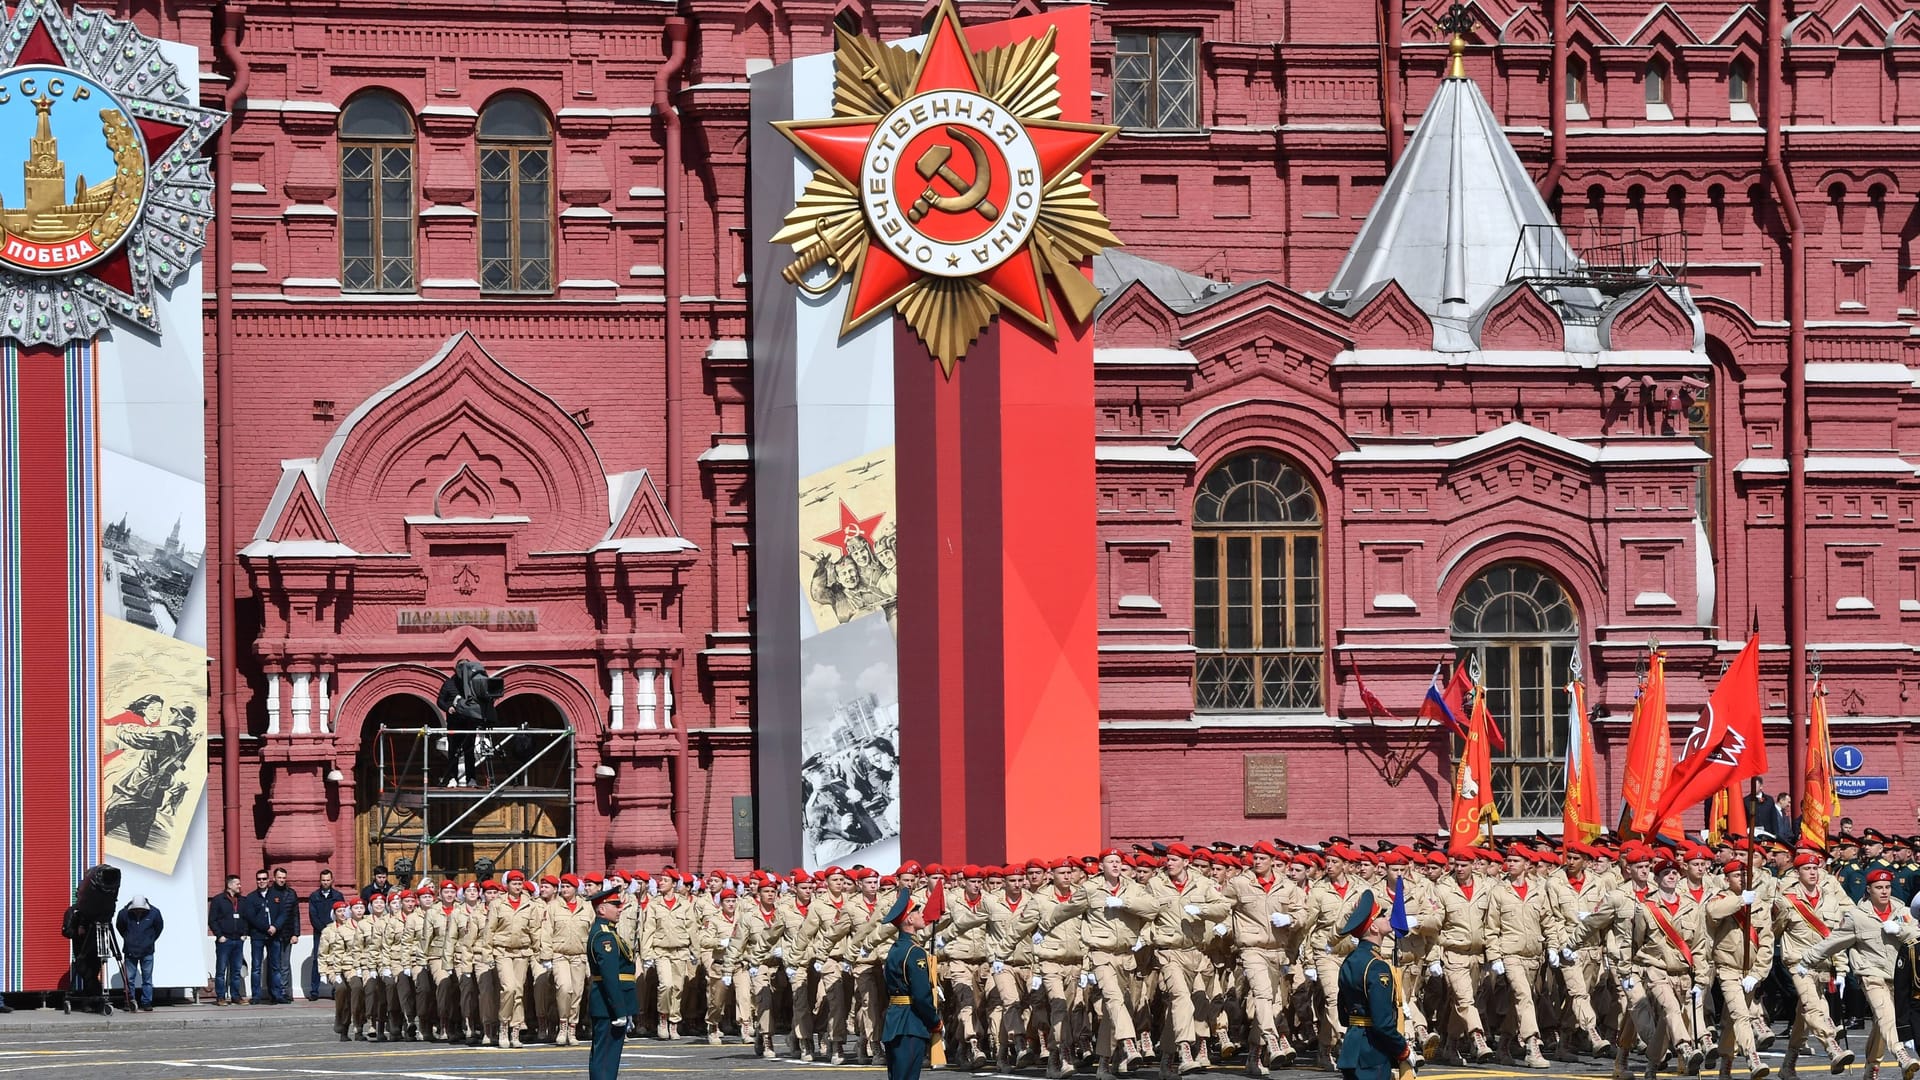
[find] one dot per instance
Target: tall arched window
(1518, 623)
(1576, 82)
(516, 196)
(1656, 82)
(376, 194)
(1257, 608)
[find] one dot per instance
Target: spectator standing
(1783, 805)
(140, 925)
(379, 885)
(230, 933)
(1761, 812)
(259, 915)
(284, 909)
(319, 915)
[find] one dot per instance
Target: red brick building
(482, 320)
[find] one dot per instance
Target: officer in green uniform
(611, 994)
(1847, 868)
(1373, 1048)
(912, 1018)
(1906, 872)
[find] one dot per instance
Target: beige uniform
(1796, 913)
(513, 930)
(717, 931)
(1741, 927)
(1187, 910)
(1582, 914)
(1873, 939)
(1519, 917)
(1061, 956)
(962, 937)
(1463, 946)
(1267, 951)
(1666, 948)
(438, 945)
(1010, 967)
(1328, 905)
(667, 945)
(567, 926)
(1116, 919)
(757, 935)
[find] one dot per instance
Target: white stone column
(273, 703)
(666, 697)
(616, 697)
(302, 705)
(643, 700)
(326, 705)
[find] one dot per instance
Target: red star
(850, 526)
(839, 145)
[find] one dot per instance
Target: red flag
(1649, 752)
(1375, 707)
(1819, 803)
(1726, 745)
(1472, 783)
(1580, 812)
(1442, 705)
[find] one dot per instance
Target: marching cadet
(440, 968)
(545, 1021)
(1189, 904)
(754, 954)
(1873, 931)
(513, 929)
(960, 944)
(486, 964)
(1329, 903)
(1116, 910)
(1060, 950)
(377, 946)
(1413, 948)
(473, 963)
(1372, 1047)
(611, 1000)
(1519, 914)
(1463, 903)
(869, 991)
(1741, 926)
(1012, 916)
(333, 968)
(413, 991)
(1806, 911)
(568, 925)
(912, 1020)
(1264, 927)
(1225, 990)
(667, 948)
(1664, 975)
(1582, 912)
(353, 966)
(717, 930)
(827, 936)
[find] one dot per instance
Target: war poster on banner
(103, 687)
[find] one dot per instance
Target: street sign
(1852, 787)
(1848, 759)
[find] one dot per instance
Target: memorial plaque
(1265, 780)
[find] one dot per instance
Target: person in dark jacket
(140, 925)
(378, 886)
(319, 914)
(283, 905)
(260, 929)
(230, 932)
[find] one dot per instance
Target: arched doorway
(1518, 622)
(516, 813)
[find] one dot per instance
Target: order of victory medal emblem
(947, 188)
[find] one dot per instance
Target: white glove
(998, 966)
(1034, 983)
(1312, 973)
(1139, 943)
(619, 1023)
(1839, 984)
(1569, 955)
(726, 980)
(386, 973)
(1626, 983)
(779, 952)
(1749, 983)
(1280, 920)
(1413, 923)
(1038, 937)
(1219, 929)
(1086, 978)
(653, 888)
(1801, 969)
(1115, 902)
(1891, 926)
(793, 975)
(1192, 910)
(939, 943)
(845, 967)
(819, 968)
(1434, 970)
(1748, 897)
(546, 965)
(647, 965)
(1581, 916)
(1499, 967)
(1553, 958)
(1696, 995)
(327, 980)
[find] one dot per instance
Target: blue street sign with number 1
(1848, 758)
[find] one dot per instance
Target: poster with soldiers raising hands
(153, 742)
(848, 561)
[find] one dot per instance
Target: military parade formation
(1177, 958)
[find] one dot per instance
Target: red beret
(1181, 850)
(1113, 851)
(830, 871)
(1265, 847)
(550, 880)
(515, 875)
(1437, 858)
(968, 872)
(887, 881)
(1879, 875)
(728, 894)
(424, 891)
(491, 884)
(936, 870)
(908, 867)
(338, 904)
(594, 879)
(1806, 858)
(570, 879)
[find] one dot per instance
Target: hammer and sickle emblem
(972, 196)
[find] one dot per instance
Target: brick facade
(565, 393)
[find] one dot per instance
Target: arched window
(1576, 82)
(1257, 608)
(1740, 89)
(1656, 82)
(516, 196)
(1518, 623)
(376, 194)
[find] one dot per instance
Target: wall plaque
(1265, 780)
(436, 620)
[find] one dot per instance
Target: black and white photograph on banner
(849, 745)
(152, 544)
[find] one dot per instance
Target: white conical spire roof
(1447, 221)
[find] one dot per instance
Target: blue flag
(1398, 918)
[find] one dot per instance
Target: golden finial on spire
(1457, 21)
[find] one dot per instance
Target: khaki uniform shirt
(1798, 938)
(1254, 904)
(1872, 948)
(1519, 917)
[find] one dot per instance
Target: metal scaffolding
(520, 779)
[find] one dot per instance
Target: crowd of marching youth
(1184, 958)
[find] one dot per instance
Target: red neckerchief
(974, 904)
(869, 903)
(800, 907)
(1339, 887)
(1883, 915)
(447, 910)
(838, 904)
(669, 901)
(768, 914)
(1060, 897)
(1699, 893)
(573, 905)
(1520, 888)
(1575, 882)
(1667, 928)
(1266, 884)
(1014, 904)
(513, 902)
(1802, 905)
(1467, 889)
